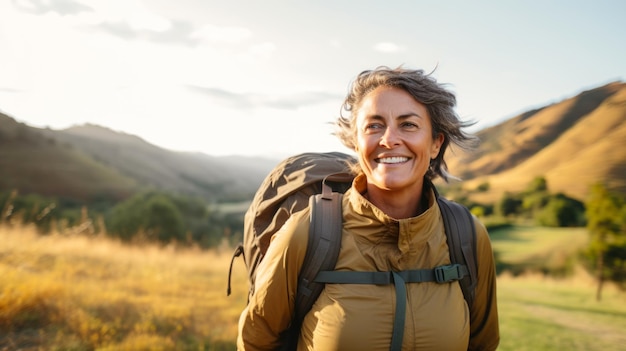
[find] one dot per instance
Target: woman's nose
(389, 138)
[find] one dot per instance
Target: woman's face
(394, 140)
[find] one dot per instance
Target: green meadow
(546, 300)
(61, 292)
(538, 313)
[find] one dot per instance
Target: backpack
(318, 181)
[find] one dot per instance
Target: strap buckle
(449, 273)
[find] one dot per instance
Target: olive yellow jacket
(360, 317)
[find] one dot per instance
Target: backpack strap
(461, 235)
(323, 247)
(326, 224)
(441, 275)
(238, 252)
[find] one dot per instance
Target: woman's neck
(405, 203)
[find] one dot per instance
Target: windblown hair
(439, 102)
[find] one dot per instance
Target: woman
(400, 123)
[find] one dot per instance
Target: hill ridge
(585, 147)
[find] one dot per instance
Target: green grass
(520, 249)
(538, 313)
(551, 304)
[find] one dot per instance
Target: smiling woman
(399, 122)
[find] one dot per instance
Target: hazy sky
(267, 77)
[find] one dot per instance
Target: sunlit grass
(89, 293)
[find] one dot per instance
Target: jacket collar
(373, 225)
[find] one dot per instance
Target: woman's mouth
(392, 160)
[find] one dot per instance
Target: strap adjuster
(449, 273)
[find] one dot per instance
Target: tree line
(535, 203)
(151, 216)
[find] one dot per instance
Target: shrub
(510, 204)
(561, 211)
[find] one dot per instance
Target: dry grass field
(77, 293)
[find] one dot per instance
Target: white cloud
(131, 12)
(388, 47)
(144, 20)
(61, 7)
(262, 50)
(215, 34)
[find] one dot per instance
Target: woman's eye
(410, 125)
(373, 126)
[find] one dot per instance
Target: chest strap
(441, 275)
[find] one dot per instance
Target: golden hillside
(573, 144)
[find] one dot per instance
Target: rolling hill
(573, 143)
(90, 162)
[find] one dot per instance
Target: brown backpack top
(285, 191)
(319, 180)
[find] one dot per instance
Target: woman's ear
(436, 147)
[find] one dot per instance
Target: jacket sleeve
(484, 327)
(271, 306)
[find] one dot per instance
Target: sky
(267, 78)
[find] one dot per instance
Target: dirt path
(612, 335)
